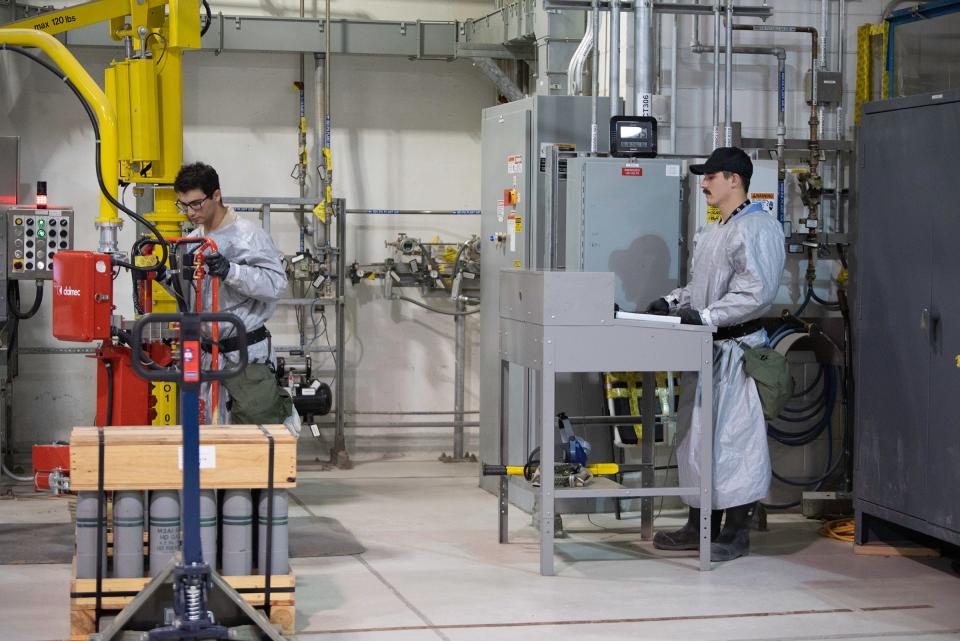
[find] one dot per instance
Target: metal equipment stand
(555, 322)
(198, 591)
(334, 260)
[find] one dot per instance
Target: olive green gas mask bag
(770, 370)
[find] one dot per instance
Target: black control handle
(190, 325)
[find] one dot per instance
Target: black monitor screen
(633, 136)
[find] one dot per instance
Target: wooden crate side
(241, 462)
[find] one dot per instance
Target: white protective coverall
(250, 291)
(735, 273)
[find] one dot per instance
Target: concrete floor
(434, 570)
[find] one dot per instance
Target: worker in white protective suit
(252, 279)
(735, 272)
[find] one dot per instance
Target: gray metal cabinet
(907, 328)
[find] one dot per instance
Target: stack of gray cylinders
(236, 552)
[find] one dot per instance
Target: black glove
(660, 307)
(216, 265)
(689, 316)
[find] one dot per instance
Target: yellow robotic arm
(143, 142)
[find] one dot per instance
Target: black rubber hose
(108, 366)
(103, 188)
(13, 300)
(206, 27)
(826, 303)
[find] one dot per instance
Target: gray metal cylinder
(164, 528)
(279, 563)
(128, 535)
(237, 552)
(208, 526)
(87, 536)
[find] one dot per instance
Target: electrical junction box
(34, 237)
(829, 88)
(82, 296)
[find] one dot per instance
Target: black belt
(232, 344)
(737, 331)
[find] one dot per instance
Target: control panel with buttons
(34, 236)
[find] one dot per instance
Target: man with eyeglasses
(252, 279)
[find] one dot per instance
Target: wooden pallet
(82, 608)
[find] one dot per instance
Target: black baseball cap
(732, 159)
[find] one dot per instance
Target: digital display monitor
(633, 137)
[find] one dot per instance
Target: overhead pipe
(614, 57)
(575, 68)
(675, 33)
(781, 55)
(814, 143)
(595, 79)
(841, 122)
(716, 74)
(728, 85)
(824, 49)
(643, 56)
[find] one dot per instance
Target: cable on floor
(840, 529)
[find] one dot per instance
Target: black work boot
(734, 539)
(688, 537)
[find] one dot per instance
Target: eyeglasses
(195, 205)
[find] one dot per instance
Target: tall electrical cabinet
(907, 324)
(547, 205)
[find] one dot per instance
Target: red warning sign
(631, 171)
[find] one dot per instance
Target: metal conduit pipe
(460, 363)
(595, 80)
(407, 413)
(319, 135)
(575, 68)
(781, 56)
(716, 74)
(814, 122)
(841, 116)
(398, 425)
(614, 57)
(824, 48)
(728, 84)
(675, 33)
(643, 60)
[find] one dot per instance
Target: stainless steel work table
(555, 322)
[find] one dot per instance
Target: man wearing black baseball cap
(734, 276)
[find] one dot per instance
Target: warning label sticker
(765, 199)
(713, 214)
(515, 164)
(631, 171)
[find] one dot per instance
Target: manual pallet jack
(204, 606)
